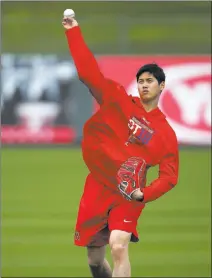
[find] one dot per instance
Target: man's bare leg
(99, 266)
(119, 241)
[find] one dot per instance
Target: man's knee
(96, 256)
(119, 241)
(118, 250)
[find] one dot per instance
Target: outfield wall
(43, 102)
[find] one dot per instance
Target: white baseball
(69, 13)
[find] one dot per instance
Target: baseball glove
(131, 176)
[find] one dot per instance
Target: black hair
(154, 69)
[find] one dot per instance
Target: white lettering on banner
(32, 75)
(35, 115)
(11, 80)
(193, 100)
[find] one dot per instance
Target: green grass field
(41, 189)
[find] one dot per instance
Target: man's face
(148, 87)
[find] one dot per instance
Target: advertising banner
(43, 101)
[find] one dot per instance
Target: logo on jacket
(139, 131)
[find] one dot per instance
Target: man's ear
(162, 85)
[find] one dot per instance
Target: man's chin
(146, 98)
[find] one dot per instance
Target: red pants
(101, 211)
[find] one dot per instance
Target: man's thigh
(124, 217)
(91, 226)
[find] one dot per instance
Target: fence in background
(137, 27)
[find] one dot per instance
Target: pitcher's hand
(69, 22)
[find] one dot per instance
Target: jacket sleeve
(87, 67)
(168, 173)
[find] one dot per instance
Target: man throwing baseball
(120, 142)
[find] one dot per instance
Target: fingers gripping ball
(131, 176)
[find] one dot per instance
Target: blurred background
(44, 107)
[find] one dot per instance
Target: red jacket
(122, 128)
